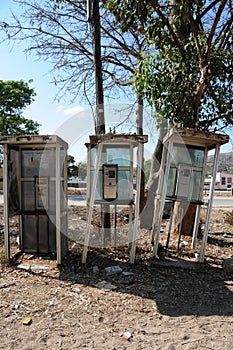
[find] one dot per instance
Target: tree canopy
(188, 73)
(178, 54)
(15, 96)
(72, 169)
(76, 170)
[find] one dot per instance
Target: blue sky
(52, 115)
(16, 65)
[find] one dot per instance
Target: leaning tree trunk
(147, 214)
(182, 30)
(183, 218)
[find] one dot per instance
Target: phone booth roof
(197, 138)
(116, 138)
(33, 140)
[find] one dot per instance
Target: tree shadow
(216, 238)
(178, 287)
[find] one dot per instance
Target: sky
(72, 122)
(16, 65)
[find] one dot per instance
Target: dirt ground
(170, 304)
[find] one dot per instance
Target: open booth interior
(186, 172)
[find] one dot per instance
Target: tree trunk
(139, 120)
(100, 120)
(100, 123)
(183, 218)
(147, 214)
(139, 124)
(182, 30)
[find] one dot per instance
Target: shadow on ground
(178, 288)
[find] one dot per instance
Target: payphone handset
(110, 178)
(184, 181)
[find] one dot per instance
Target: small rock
(184, 243)
(95, 269)
(39, 268)
(228, 265)
(105, 285)
(24, 266)
(126, 273)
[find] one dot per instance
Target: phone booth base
(34, 184)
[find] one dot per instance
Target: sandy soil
(169, 304)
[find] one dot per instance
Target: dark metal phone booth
(34, 185)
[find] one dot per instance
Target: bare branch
(167, 24)
(206, 123)
(213, 29)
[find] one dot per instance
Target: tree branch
(166, 23)
(213, 29)
(208, 122)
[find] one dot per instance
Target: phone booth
(110, 166)
(182, 175)
(34, 186)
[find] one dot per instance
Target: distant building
(77, 182)
(223, 182)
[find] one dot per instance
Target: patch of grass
(2, 257)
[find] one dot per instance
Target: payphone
(183, 184)
(110, 176)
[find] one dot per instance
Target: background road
(223, 202)
(218, 202)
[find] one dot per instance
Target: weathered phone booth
(110, 165)
(34, 185)
(182, 175)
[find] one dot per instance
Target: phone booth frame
(180, 190)
(38, 197)
(104, 178)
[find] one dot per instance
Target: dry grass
(229, 217)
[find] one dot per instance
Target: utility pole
(93, 16)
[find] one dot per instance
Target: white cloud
(60, 108)
(73, 110)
